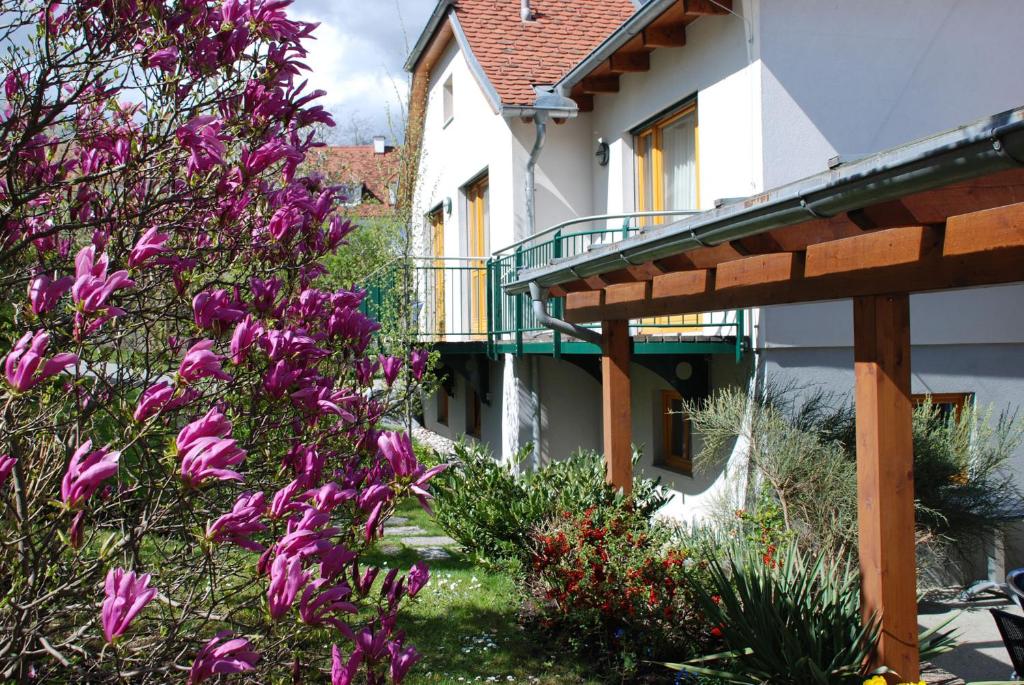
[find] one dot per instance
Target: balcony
(460, 302)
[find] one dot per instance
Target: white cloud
(358, 54)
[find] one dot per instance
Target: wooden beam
(597, 85)
(616, 401)
(883, 215)
(759, 269)
(629, 62)
(891, 247)
(706, 7)
(585, 102)
(668, 36)
(935, 272)
(991, 229)
(885, 479)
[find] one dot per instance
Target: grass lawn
(465, 623)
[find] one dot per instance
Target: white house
(675, 106)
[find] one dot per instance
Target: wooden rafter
(629, 62)
(598, 85)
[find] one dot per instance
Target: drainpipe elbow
(539, 296)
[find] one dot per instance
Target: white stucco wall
(718, 67)
(475, 141)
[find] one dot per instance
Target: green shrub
(788, 620)
(491, 511)
(617, 588)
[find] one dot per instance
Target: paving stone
(433, 553)
(428, 541)
(399, 531)
(396, 521)
(391, 550)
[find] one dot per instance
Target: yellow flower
(879, 680)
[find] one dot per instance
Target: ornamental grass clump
(191, 460)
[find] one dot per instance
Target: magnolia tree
(191, 464)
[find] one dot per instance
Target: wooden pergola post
(885, 478)
(617, 411)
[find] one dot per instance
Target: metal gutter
(989, 145)
(428, 33)
(622, 35)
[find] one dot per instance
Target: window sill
(447, 123)
(680, 469)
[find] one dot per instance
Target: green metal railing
(462, 299)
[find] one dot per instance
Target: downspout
(541, 122)
(539, 296)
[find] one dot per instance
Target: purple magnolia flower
(163, 59)
(319, 604)
(397, 449)
(201, 137)
(286, 579)
(391, 366)
(343, 672)
(86, 472)
(419, 576)
(161, 398)
(44, 292)
(418, 363)
(212, 425)
(306, 536)
(7, 463)
(402, 659)
(215, 310)
(77, 531)
(150, 245)
(245, 335)
(25, 366)
(92, 287)
(209, 458)
(201, 362)
(233, 656)
(126, 595)
(237, 526)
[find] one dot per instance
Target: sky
(357, 57)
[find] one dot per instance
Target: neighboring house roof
(372, 175)
(515, 55)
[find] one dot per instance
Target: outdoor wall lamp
(603, 153)
(448, 206)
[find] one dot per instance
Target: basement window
(948, 404)
(449, 101)
(442, 407)
(473, 412)
(675, 434)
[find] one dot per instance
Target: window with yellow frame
(675, 434)
(436, 219)
(667, 178)
(477, 228)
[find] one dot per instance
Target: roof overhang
(788, 241)
(656, 24)
(423, 42)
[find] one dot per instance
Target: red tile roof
(359, 164)
(518, 55)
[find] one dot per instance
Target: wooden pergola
(949, 235)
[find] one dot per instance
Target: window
(442, 407)
(948, 403)
(352, 193)
(666, 163)
(675, 434)
(666, 178)
(449, 101)
(477, 227)
(436, 221)
(473, 411)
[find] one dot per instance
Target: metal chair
(1011, 627)
(1012, 589)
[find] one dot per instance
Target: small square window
(449, 101)
(948, 404)
(675, 434)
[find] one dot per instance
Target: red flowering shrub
(617, 586)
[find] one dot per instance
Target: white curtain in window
(680, 167)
